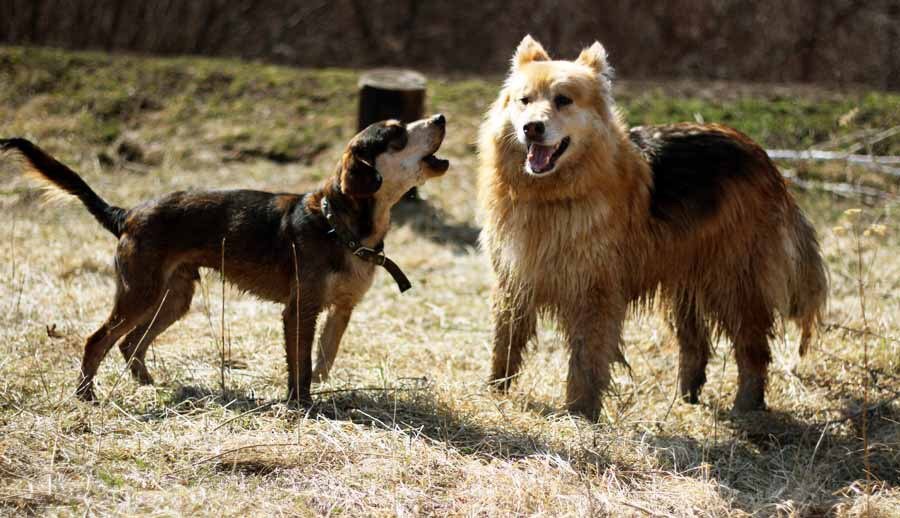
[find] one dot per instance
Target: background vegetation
(833, 41)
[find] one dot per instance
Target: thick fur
(276, 246)
(694, 214)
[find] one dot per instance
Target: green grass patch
(288, 114)
(795, 122)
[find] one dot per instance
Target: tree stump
(390, 93)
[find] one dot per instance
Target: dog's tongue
(539, 156)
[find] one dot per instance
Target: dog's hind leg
(515, 324)
(176, 301)
(335, 325)
(95, 349)
(137, 296)
(749, 327)
(692, 333)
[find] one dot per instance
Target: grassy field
(406, 426)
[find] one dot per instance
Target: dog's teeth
(539, 156)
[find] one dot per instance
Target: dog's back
(725, 219)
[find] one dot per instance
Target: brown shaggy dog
(585, 218)
(312, 252)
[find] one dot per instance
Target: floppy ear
(359, 178)
(594, 57)
(529, 50)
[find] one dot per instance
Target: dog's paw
(500, 385)
(319, 375)
(86, 393)
(302, 398)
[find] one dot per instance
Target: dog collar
(370, 255)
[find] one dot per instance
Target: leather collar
(371, 255)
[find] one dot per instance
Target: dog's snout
(439, 120)
(534, 130)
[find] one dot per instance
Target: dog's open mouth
(542, 159)
(438, 165)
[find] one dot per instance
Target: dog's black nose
(534, 130)
(440, 120)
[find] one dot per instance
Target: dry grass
(406, 426)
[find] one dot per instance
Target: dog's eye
(525, 100)
(561, 100)
(399, 141)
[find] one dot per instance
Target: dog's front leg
(299, 331)
(593, 332)
(515, 324)
(335, 325)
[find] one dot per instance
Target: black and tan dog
(310, 252)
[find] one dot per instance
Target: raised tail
(809, 290)
(47, 169)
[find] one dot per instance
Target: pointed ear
(529, 50)
(594, 57)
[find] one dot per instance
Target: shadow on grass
(431, 223)
(188, 399)
(416, 412)
(774, 456)
(758, 457)
(420, 414)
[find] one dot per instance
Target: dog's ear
(529, 50)
(359, 178)
(378, 138)
(393, 135)
(594, 57)
(358, 175)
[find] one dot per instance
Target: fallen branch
(852, 139)
(870, 141)
(886, 164)
(839, 188)
(829, 327)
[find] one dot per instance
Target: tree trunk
(390, 93)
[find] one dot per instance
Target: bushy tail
(809, 292)
(44, 167)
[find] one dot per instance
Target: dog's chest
(554, 248)
(346, 288)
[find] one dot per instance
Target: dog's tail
(47, 169)
(809, 286)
